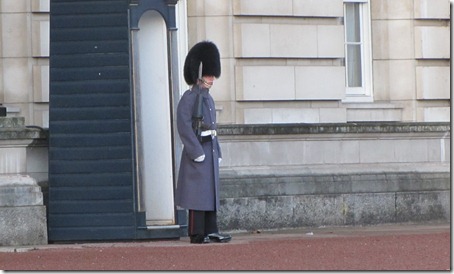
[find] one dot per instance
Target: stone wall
(283, 61)
(22, 213)
(275, 176)
(288, 175)
(276, 55)
(23, 172)
(24, 59)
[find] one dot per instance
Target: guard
(198, 180)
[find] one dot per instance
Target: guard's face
(207, 81)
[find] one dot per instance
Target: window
(358, 67)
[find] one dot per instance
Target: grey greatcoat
(198, 183)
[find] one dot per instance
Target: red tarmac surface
(384, 247)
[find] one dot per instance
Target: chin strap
(205, 83)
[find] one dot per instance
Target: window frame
(365, 92)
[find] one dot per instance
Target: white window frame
(365, 92)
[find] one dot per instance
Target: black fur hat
(207, 53)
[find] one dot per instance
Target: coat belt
(211, 133)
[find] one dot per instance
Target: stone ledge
(13, 128)
(333, 128)
(16, 180)
(19, 190)
(20, 196)
(330, 184)
(12, 122)
(331, 169)
(23, 133)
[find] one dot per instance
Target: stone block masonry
(325, 200)
(309, 175)
(22, 213)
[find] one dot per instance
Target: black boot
(220, 238)
(199, 239)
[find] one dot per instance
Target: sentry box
(113, 146)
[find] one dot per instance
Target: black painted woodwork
(92, 193)
(91, 179)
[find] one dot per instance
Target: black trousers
(202, 222)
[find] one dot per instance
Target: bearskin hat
(207, 53)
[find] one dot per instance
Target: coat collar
(199, 90)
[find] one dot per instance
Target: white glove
(219, 160)
(200, 158)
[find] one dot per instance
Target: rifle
(197, 113)
(197, 116)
